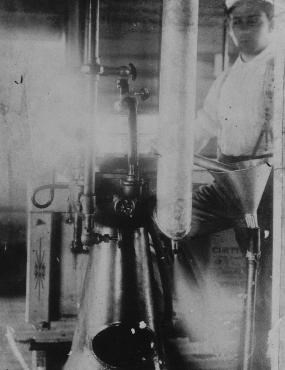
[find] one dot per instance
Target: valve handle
(144, 93)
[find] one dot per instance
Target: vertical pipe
(247, 354)
(253, 255)
(177, 113)
(91, 51)
(132, 121)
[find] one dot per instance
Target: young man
(234, 107)
(238, 108)
(238, 111)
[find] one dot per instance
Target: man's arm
(207, 124)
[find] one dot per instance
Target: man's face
(250, 28)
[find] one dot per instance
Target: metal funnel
(244, 187)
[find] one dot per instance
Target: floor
(12, 310)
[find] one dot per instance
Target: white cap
(230, 3)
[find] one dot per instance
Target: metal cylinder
(118, 318)
(177, 113)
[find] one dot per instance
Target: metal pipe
(132, 131)
(91, 55)
(253, 256)
(177, 114)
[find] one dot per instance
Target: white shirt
(234, 109)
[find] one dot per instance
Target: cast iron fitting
(130, 190)
(123, 85)
(92, 238)
(130, 187)
(106, 238)
(125, 207)
(129, 71)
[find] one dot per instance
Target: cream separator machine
(122, 321)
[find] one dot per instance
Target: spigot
(143, 93)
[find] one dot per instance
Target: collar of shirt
(264, 56)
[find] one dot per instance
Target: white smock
(234, 109)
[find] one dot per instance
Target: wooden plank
(59, 332)
(39, 267)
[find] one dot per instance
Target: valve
(125, 207)
(106, 238)
(129, 71)
(143, 93)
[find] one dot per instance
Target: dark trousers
(212, 211)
